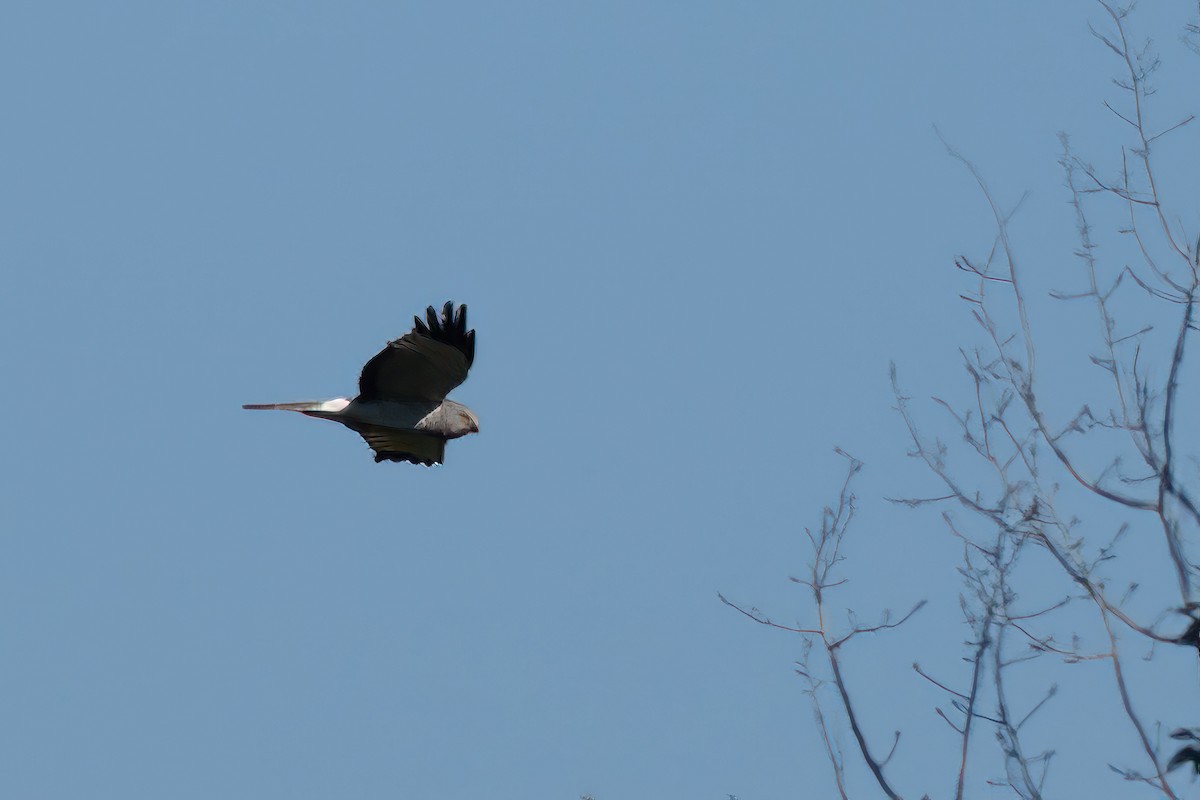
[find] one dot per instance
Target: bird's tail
(337, 404)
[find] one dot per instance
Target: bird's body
(401, 410)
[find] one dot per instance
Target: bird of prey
(401, 409)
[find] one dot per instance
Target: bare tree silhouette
(1024, 480)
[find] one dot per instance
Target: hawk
(401, 409)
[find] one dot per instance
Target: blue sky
(691, 235)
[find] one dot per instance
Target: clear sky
(691, 235)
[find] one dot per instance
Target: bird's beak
(474, 425)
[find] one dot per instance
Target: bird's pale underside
(401, 409)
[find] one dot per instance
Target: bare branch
(1127, 703)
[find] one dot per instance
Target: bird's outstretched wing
(425, 363)
(393, 444)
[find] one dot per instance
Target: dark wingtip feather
(450, 329)
(404, 458)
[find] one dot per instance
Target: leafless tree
(1029, 477)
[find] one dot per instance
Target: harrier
(401, 409)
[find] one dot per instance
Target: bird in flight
(401, 409)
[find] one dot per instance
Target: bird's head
(464, 422)
(452, 420)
